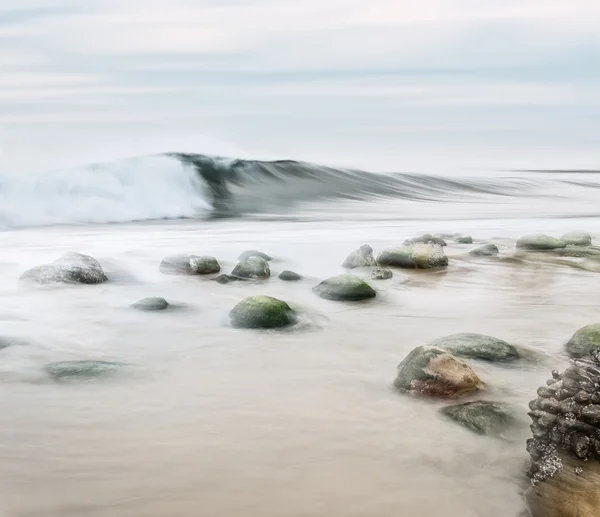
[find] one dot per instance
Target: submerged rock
(361, 257)
(577, 239)
(344, 288)
(578, 251)
(71, 268)
(289, 276)
(253, 253)
(66, 370)
(262, 312)
(381, 273)
(464, 239)
(539, 242)
(419, 256)
(226, 279)
(151, 304)
(184, 264)
(584, 341)
(487, 250)
(253, 267)
(431, 371)
(482, 417)
(478, 346)
(426, 239)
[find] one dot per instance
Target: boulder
(478, 346)
(151, 304)
(584, 341)
(381, 273)
(433, 372)
(253, 253)
(344, 288)
(482, 417)
(253, 267)
(362, 257)
(464, 239)
(487, 250)
(261, 312)
(71, 268)
(426, 239)
(185, 264)
(67, 370)
(577, 239)
(419, 256)
(539, 242)
(289, 276)
(226, 279)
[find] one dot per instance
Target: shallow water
(210, 420)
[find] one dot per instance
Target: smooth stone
(578, 251)
(151, 304)
(71, 268)
(464, 239)
(226, 279)
(478, 346)
(433, 372)
(381, 273)
(482, 417)
(65, 370)
(539, 242)
(253, 267)
(487, 250)
(261, 312)
(289, 276)
(185, 264)
(253, 253)
(361, 257)
(426, 239)
(577, 239)
(418, 256)
(344, 287)
(584, 341)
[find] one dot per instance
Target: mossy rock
(577, 239)
(80, 370)
(482, 417)
(464, 239)
(539, 242)
(185, 264)
(417, 256)
(344, 288)
(433, 372)
(261, 312)
(362, 257)
(478, 346)
(252, 268)
(426, 239)
(289, 276)
(381, 273)
(153, 303)
(226, 279)
(584, 341)
(487, 250)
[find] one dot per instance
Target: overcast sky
(393, 84)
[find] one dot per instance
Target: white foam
(156, 187)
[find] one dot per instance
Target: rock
(431, 371)
(71, 268)
(344, 288)
(478, 346)
(381, 273)
(487, 250)
(67, 370)
(254, 253)
(464, 239)
(578, 252)
(289, 276)
(584, 341)
(253, 267)
(539, 242)
(425, 239)
(184, 264)
(261, 312)
(151, 304)
(226, 279)
(482, 417)
(577, 239)
(362, 257)
(420, 256)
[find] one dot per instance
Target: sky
(383, 85)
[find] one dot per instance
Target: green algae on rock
(344, 287)
(262, 312)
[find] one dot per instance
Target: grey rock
(78, 370)
(417, 256)
(289, 276)
(577, 239)
(185, 264)
(253, 267)
(71, 268)
(584, 341)
(361, 257)
(482, 417)
(253, 253)
(344, 288)
(262, 312)
(426, 239)
(478, 346)
(464, 239)
(487, 250)
(151, 304)
(226, 279)
(539, 242)
(381, 273)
